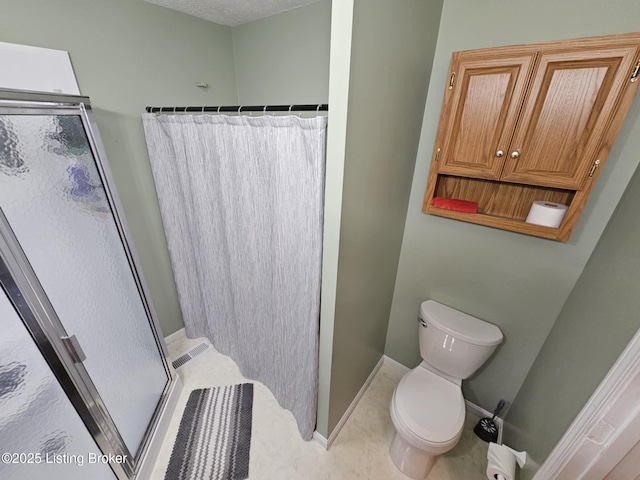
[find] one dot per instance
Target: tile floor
(359, 452)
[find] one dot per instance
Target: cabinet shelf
(504, 223)
(500, 204)
(499, 199)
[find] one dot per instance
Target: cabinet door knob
(499, 153)
(515, 154)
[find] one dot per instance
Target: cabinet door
(480, 110)
(572, 100)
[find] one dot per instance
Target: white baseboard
(326, 443)
(175, 336)
(320, 439)
(397, 366)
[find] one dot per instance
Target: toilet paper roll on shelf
(547, 214)
(501, 462)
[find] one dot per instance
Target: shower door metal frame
(21, 284)
(22, 293)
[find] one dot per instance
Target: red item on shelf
(455, 205)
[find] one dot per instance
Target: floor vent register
(190, 354)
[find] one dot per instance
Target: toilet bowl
(428, 412)
(428, 408)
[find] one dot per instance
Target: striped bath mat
(214, 435)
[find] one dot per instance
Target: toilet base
(411, 461)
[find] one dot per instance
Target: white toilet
(427, 407)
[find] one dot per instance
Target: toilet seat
(428, 409)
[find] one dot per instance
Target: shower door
(69, 262)
(38, 424)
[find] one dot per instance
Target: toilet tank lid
(465, 327)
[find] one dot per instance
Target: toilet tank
(453, 342)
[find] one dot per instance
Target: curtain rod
(322, 107)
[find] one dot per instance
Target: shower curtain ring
(203, 109)
(318, 108)
(218, 109)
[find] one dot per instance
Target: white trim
(397, 366)
(148, 461)
(326, 443)
(320, 439)
(568, 456)
(180, 334)
(619, 444)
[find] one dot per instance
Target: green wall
(595, 325)
(517, 282)
(127, 54)
(391, 55)
(284, 59)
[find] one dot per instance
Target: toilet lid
(430, 406)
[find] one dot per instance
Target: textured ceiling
(231, 12)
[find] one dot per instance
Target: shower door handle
(73, 347)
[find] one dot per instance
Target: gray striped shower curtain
(241, 201)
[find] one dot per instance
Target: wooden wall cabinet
(531, 122)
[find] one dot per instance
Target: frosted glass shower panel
(39, 428)
(53, 197)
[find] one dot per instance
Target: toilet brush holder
(486, 429)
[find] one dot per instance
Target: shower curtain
(241, 201)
